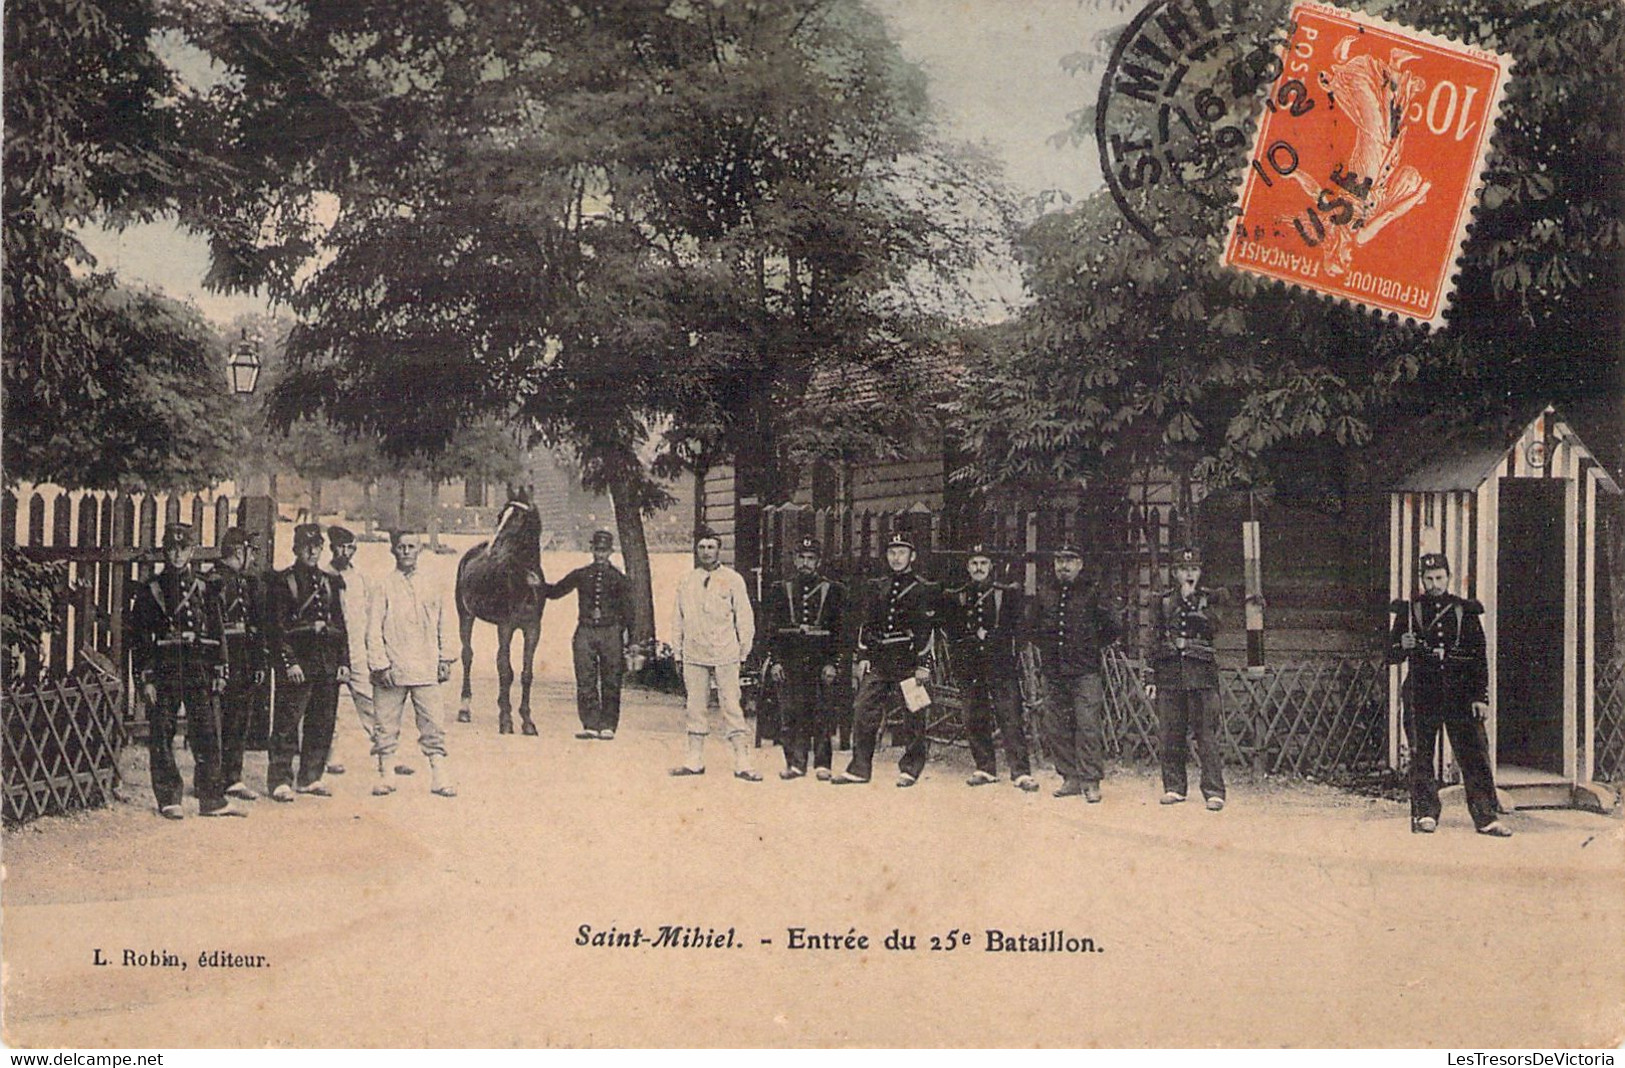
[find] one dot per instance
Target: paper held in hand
(915, 695)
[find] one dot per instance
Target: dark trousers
(600, 663)
(876, 697)
(1471, 747)
(236, 710)
(805, 719)
(1179, 712)
(1072, 726)
(990, 702)
(302, 726)
(202, 737)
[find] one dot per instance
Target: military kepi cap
(900, 541)
(179, 536)
(1068, 551)
(305, 535)
(1189, 556)
(978, 550)
(233, 539)
(337, 536)
(1435, 562)
(602, 539)
(809, 545)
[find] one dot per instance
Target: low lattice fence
(61, 744)
(1610, 765)
(1326, 717)
(1314, 717)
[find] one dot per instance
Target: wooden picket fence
(1128, 542)
(107, 541)
(68, 711)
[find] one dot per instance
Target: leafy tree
(595, 219)
(1130, 354)
(104, 386)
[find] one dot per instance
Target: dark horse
(501, 582)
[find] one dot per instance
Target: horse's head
(519, 530)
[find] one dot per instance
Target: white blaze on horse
(501, 582)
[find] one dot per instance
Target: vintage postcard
(812, 524)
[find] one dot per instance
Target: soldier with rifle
(1441, 638)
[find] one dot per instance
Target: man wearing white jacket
(406, 654)
(711, 634)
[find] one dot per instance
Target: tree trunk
(315, 500)
(400, 506)
(635, 551)
(434, 514)
(369, 518)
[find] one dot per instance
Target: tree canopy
(1130, 353)
(104, 386)
(595, 218)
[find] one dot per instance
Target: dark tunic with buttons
(1449, 664)
(985, 623)
(301, 598)
(1183, 629)
(899, 615)
(1070, 627)
(804, 616)
(605, 595)
(175, 629)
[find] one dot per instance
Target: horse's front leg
(465, 629)
(532, 634)
(504, 678)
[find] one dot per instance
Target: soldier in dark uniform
(178, 656)
(1070, 626)
(1185, 682)
(985, 619)
(603, 628)
(804, 616)
(312, 656)
(900, 613)
(1447, 686)
(242, 612)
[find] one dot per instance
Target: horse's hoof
(530, 728)
(505, 727)
(463, 716)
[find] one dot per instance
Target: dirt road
(1299, 916)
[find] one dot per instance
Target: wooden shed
(1518, 522)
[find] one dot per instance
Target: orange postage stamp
(1368, 162)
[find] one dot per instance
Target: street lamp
(244, 365)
